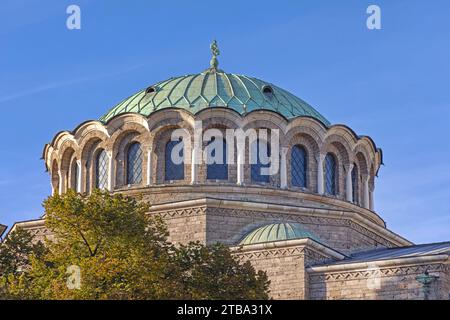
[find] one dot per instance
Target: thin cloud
(65, 83)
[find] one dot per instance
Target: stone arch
(221, 119)
(170, 117)
(308, 126)
(88, 140)
(361, 161)
(88, 150)
(119, 143)
(372, 188)
(161, 124)
(347, 135)
(89, 126)
(73, 174)
(265, 119)
(63, 140)
(127, 121)
(302, 137)
(274, 179)
(47, 156)
(340, 148)
(66, 157)
(231, 167)
(219, 116)
(55, 177)
(161, 137)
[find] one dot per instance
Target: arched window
(134, 164)
(174, 169)
(355, 184)
(256, 173)
(217, 168)
(74, 175)
(330, 174)
(101, 170)
(298, 166)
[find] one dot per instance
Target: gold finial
(214, 63)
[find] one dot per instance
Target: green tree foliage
(121, 253)
(15, 253)
(212, 272)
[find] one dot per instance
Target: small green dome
(277, 232)
(215, 88)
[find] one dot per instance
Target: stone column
(371, 201)
(320, 177)
(349, 184)
(283, 168)
(84, 172)
(240, 165)
(149, 167)
(78, 177)
(196, 151)
(62, 181)
(194, 164)
(111, 171)
(366, 196)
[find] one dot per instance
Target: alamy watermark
(374, 278)
(73, 21)
(74, 277)
(374, 19)
(208, 147)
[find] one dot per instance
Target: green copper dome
(277, 232)
(215, 88)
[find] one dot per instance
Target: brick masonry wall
(230, 226)
(286, 265)
(286, 275)
(393, 283)
(285, 268)
(186, 225)
(444, 284)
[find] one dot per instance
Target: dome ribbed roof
(277, 232)
(215, 89)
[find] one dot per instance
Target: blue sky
(391, 84)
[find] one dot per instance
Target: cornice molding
(385, 267)
(356, 221)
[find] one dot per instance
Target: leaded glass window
(330, 174)
(355, 184)
(214, 170)
(173, 169)
(298, 166)
(101, 170)
(256, 173)
(134, 164)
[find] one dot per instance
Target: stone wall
(444, 284)
(285, 264)
(231, 225)
(394, 282)
(186, 225)
(210, 221)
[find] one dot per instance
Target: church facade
(311, 225)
